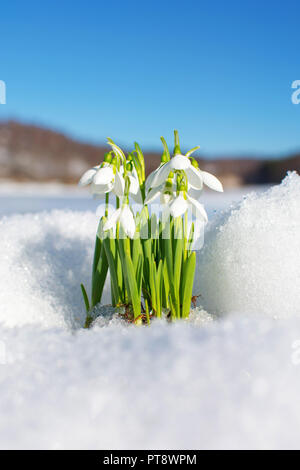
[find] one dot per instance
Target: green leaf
(110, 250)
(130, 278)
(168, 253)
(166, 149)
(99, 277)
(159, 284)
(179, 248)
(165, 287)
(191, 236)
(116, 149)
(141, 158)
(177, 144)
(192, 151)
(188, 281)
(85, 298)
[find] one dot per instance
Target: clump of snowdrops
(150, 258)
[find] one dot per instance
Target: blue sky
(220, 72)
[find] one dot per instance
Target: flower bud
(129, 166)
(108, 157)
(194, 163)
(164, 158)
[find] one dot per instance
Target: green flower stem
(106, 204)
(185, 236)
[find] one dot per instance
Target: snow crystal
(251, 258)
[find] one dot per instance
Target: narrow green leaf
(179, 248)
(130, 278)
(192, 151)
(110, 250)
(166, 149)
(159, 283)
(141, 158)
(177, 144)
(85, 298)
(99, 277)
(188, 281)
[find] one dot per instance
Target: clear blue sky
(219, 71)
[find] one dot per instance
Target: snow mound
(204, 384)
(44, 259)
(231, 384)
(251, 258)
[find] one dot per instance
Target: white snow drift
(251, 259)
(44, 258)
(232, 383)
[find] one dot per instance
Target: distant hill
(33, 153)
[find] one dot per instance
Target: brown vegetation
(32, 153)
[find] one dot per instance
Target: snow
(228, 385)
(229, 380)
(251, 260)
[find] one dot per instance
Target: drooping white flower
(103, 179)
(88, 176)
(105, 182)
(181, 203)
(134, 188)
(126, 219)
(196, 177)
(165, 195)
(108, 178)
(151, 177)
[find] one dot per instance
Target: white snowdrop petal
(100, 189)
(179, 206)
(134, 185)
(199, 208)
(166, 198)
(194, 177)
(87, 177)
(127, 221)
(104, 175)
(211, 181)
(119, 185)
(112, 220)
(134, 173)
(153, 194)
(150, 178)
(134, 189)
(161, 175)
(194, 193)
(137, 197)
(180, 162)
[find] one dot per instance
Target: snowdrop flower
(88, 176)
(152, 176)
(108, 179)
(160, 191)
(134, 188)
(196, 177)
(176, 205)
(125, 217)
(103, 179)
(181, 203)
